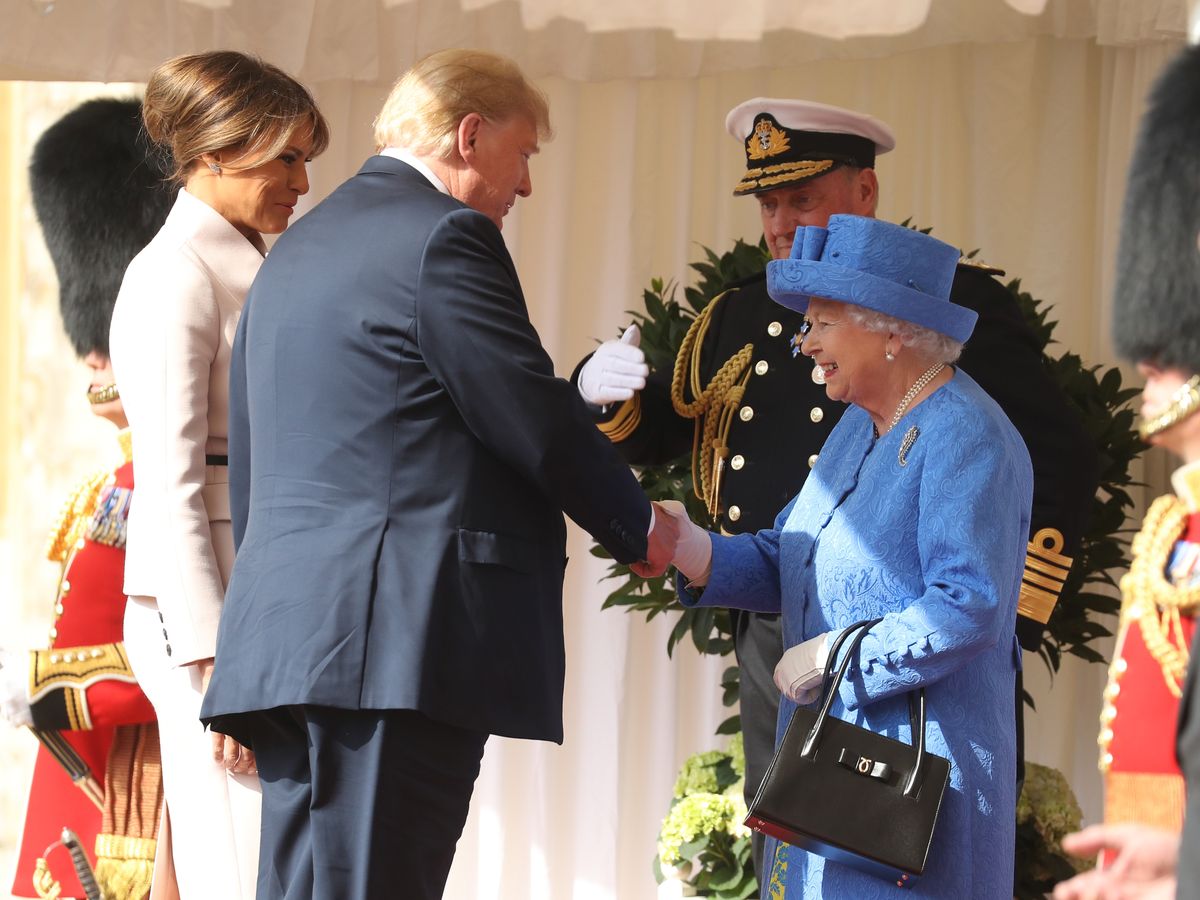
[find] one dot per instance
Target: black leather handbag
(849, 794)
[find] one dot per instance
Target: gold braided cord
(43, 882)
(75, 516)
(1151, 599)
(77, 512)
(714, 405)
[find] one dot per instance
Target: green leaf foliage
(1090, 592)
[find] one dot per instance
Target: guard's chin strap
(1184, 402)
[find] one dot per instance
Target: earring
(889, 355)
(213, 167)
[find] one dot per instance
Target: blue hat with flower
(876, 265)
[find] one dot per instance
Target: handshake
(675, 540)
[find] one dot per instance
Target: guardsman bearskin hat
(1156, 309)
(100, 196)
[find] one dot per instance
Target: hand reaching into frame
(1142, 868)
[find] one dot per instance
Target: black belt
(216, 459)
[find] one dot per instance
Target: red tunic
(1143, 782)
(81, 685)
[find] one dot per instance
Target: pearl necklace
(918, 386)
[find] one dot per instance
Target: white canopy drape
(374, 40)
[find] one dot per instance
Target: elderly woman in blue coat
(916, 512)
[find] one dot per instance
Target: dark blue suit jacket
(401, 454)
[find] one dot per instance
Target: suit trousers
(212, 816)
(360, 804)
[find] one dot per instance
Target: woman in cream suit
(240, 133)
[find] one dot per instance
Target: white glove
(693, 551)
(798, 674)
(14, 701)
(615, 371)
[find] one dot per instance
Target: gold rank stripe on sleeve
(77, 669)
(625, 422)
(1046, 571)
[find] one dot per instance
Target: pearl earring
(889, 355)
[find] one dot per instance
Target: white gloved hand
(693, 551)
(615, 371)
(799, 672)
(14, 700)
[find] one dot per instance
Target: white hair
(926, 342)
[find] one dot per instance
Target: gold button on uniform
(816, 414)
(760, 367)
(58, 609)
(812, 460)
(774, 329)
(737, 462)
(53, 633)
(746, 414)
(735, 513)
(66, 587)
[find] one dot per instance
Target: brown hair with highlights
(221, 100)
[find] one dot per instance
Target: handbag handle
(916, 704)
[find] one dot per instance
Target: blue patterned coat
(930, 536)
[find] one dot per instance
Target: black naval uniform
(782, 420)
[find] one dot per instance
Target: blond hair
(224, 100)
(425, 107)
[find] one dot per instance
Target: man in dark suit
(400, 458)
(754, 411)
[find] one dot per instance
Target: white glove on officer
(693, 551)
(798, 674)
(14, 701)
(615, 371)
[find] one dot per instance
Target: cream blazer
(171, 334)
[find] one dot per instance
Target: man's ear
(468, 134)
(867, 192)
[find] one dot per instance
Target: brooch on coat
(910, 438)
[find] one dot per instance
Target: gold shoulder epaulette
(76, 515)
(981, 266)
(1046, 571)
